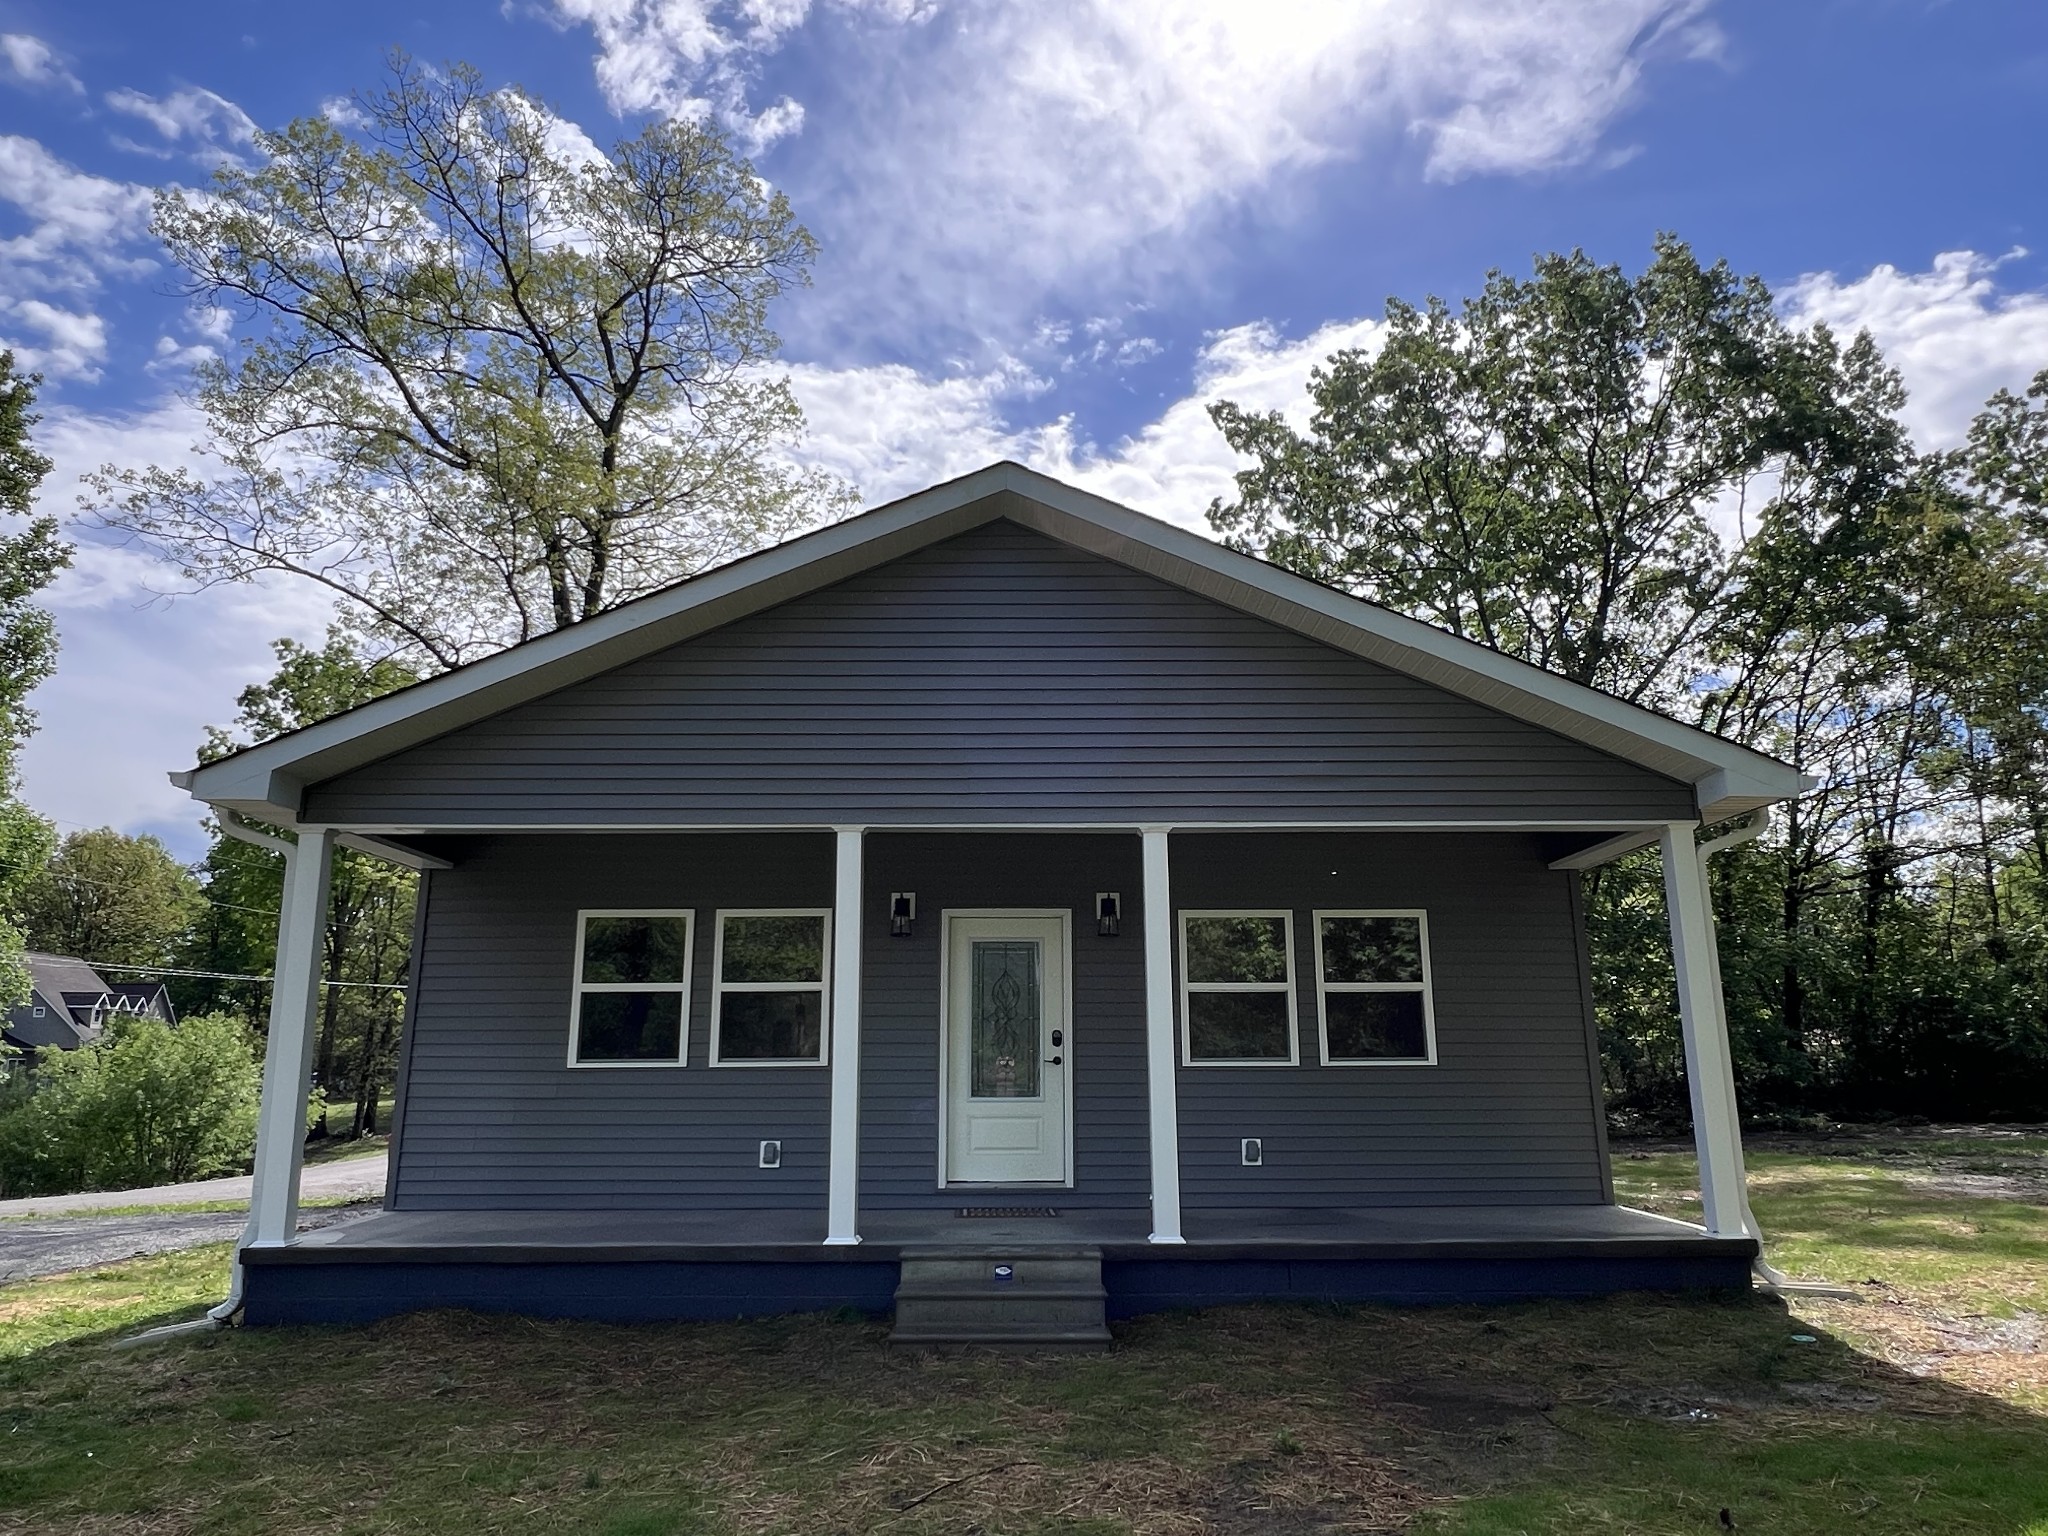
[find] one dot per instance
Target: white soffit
(268, 779)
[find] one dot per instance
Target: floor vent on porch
(1022, 1298)
(1006, 1212)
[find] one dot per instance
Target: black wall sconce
(1109, 913)
(902, 913)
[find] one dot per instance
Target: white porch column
(1709, 1064)
(287, 1056)
(1161, 1060)
(843, 1186)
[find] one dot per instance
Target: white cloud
(30, 61)
(73, 345)
(1950, 331)
(892, 431)
(193, 121)
(80, 228)
(139, 678)
(1015, 147)
(79, 224)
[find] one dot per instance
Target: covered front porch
(1473, 1170)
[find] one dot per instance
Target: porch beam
(1709, 1064)
(843, 1183)
(1160, 1056)
(288, 1052)
(1608, 851)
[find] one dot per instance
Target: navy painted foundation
(1148, 1285)
(661, 1290)
(610, 1292)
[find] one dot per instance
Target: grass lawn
(1924, 1409)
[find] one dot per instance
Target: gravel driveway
(48, 1246)
(348, 1178)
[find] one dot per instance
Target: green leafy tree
(1540, 469)
(370, 902)
(31, 557)
(1653, 485)
(498, 380)
(150, 1104)
(112, 900)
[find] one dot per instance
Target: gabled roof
(56, 976)
(268, 780)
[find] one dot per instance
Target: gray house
(1000, 893)
(70, 1004)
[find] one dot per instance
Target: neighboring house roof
(74, 1000)
(144, 997)
(268, 780)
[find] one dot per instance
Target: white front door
(1006, 1049)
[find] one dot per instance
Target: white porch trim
(1161, 1060)
(1646, 830)
(843, 1181)
(287, 1057)
(1709, 1064)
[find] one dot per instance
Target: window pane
(1005, 1023)
(1237, 949)
(1237, 1026)
(1372, 949)
(774, 949)
(629, 1026)
(633, 948)
(770, 1026)
(1375, 1026)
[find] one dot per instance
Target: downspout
(219, 1316)
(1773, 1281)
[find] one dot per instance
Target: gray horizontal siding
(1510, 1112)
(900, 1008)
(494, 1117)
(999, 676)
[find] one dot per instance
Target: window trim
(823, 986)
(1188, 989)
(1427, 987)
(578, 986)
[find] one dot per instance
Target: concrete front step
(1029, 1298)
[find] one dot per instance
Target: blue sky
(1051, 229)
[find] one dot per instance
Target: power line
(172, 970)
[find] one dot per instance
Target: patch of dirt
(2004, 1356)
(2021, 1334)
(1462, 1408)
(2027, 1187)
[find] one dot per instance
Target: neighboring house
(999, 850)
(71, 1003)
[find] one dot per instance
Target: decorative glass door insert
(1005, 1056)
(1006, 1019)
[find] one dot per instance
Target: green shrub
(152, 1103)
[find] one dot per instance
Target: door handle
(1052, 1061)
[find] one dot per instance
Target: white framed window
(1237, 990)
(771, 972)
(632, 996)
(1372, 988)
